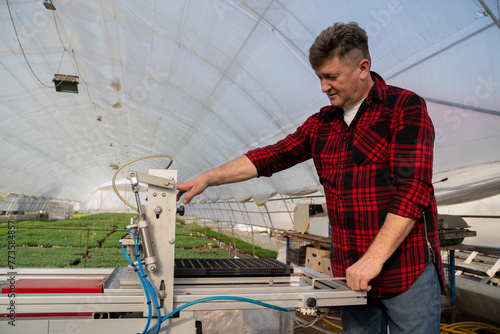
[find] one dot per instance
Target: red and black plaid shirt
(381, 163)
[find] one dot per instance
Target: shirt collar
(378, 90)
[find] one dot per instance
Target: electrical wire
(24, 54)
(57, 29)
(241, 299)
(322, 313)
(307, 325)
(469, 327)
(332, 324)
(317, 328)
(21, 46)
(113, 181)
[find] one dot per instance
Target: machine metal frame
(122, 292)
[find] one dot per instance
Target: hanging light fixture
(66, 83)
(49, 5)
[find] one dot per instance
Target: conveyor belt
(230, 268)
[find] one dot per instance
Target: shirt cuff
(411, 199)
(256, 156)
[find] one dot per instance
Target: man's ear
(364, 68)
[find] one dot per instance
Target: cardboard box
(315, 258)
(326, 266)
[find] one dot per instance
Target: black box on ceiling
(49, 5)
(66, 83)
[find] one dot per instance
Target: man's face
(340, 82)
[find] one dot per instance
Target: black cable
(22, 49)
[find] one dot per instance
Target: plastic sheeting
(204, 81)
(104, 199)
(246, 321)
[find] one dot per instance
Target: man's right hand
(240, 169)
(192, 188)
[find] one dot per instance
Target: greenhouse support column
(264, 220)
(232, 211)
(218, 232)
(287, 247)
(9, 207)
(286, 206)
(31, 206)
(270, 220)
(86, 246)
(244, 213)
(79, 240)
(212, 211)
(234, 242)
(206, 212)
(221, 211)
(253, 243)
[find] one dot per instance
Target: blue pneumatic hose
(241, 299)
(143, 286)
(149, 286)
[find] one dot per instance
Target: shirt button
(341, 168)
(339, 197)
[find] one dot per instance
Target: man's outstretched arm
(240, 169)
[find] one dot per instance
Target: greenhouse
(96, 90)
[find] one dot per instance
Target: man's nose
(325, 86)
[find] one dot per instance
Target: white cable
(319, 329)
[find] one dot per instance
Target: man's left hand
(360, 274)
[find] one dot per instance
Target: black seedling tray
(230, 268)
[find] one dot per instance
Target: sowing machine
(157, 293)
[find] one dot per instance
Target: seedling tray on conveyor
(230, 268)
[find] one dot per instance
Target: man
(373, 150)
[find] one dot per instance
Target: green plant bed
(64, 234)
(241, 245)
(113, 239)
(43, 257)
(106, 258)
(187, 241)
(34, 237)
(124, 217)
(185, 229)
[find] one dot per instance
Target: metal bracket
(152, 180)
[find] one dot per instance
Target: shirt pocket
(371, 144)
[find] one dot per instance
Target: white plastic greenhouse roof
(205, 81)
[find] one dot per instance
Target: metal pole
(490, 13)
(79, 240)
(86, 245)
(218, 232)
(451, 274)
(234, 242)
(253, 243)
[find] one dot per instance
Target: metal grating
(230, 267)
